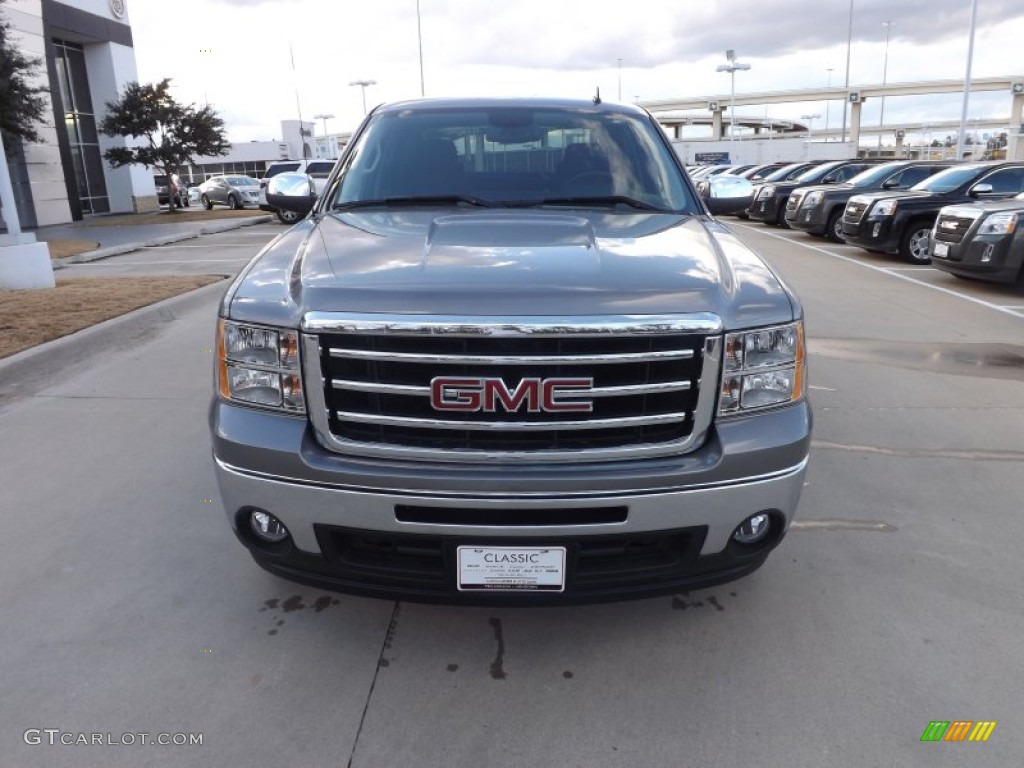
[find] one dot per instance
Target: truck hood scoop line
(518, 241)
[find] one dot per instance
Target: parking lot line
(212, 245)
(890, 271)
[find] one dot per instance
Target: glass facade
(80, 124)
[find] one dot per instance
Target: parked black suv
(770, 204)
(819, 209)
(785, 172)
(984, 241)
(901, 222)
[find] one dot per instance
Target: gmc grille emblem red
(466, 393)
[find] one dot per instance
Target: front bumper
(390, 529)
(812, 220)
(767, 209)
(993, 258)
(875, 233)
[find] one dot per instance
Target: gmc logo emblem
(556, 395)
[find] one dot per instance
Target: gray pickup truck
(509, 357)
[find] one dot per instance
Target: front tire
(233, 203)
(287, 217)
(834, 227)
(207, 203)
(915, 241)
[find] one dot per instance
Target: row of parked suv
(960, 217)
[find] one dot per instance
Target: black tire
(185, 201)
(287, 217)
(834, 227)
(207, 202)
(780, 217)
(233, 203)
(914, 243)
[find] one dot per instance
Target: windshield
(784, 172)
(949, 179)
(874, 175)
(241, 181)
(512, 156)
(815, 173)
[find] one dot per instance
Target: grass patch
(61, 248)
(195, 212)
(28, 318)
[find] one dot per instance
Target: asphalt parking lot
(897, 598)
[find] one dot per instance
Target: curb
(117, 250)
(27, 372)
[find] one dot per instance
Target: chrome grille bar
(511, 426)
(603, 359)
(408, 389)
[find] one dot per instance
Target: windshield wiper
(581, 200)
(386, 202)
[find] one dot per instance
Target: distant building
(89, 59)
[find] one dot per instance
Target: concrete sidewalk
(124, 238)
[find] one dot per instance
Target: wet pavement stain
(452, 667)
(293, 603)
(497, 666)
(986, 360)
(567, 675)
(256, 679)
(323, 603)
(680, 602)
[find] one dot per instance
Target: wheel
(287, 217)
(207, 202)
(780, 217)
(185, 201)
(233, 203)
(914, 243)
(834, 228)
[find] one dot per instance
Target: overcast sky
(235, 53)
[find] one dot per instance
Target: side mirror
(981, 189)
(726, 194)
(890, 184)
(292, 192)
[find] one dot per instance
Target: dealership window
(80, 124)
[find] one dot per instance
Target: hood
(509, 263)
(985, 208)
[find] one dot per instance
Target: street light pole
(967, 82)
(849, 45)
(731, 68)
(419, 39)
(810, 128)
(885, 73)
(828, 102)
(362, 84)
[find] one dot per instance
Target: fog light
(875, 230)
(986, 255)
(267, 527)
(753, 529)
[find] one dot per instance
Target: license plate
(511, 569)
(940, 249)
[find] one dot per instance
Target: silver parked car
(232, 191)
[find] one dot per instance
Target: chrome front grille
(793, 204)
(477, 388)
(854, 212)
(952, 228)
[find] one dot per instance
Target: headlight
(767, 191)
(884, 208)
(813, 198)
(257, 365)
(999, 224)
(762, 368)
